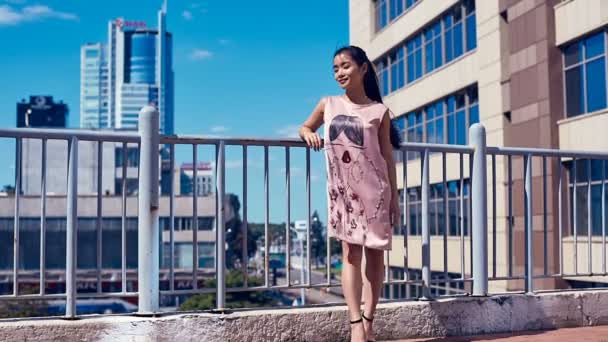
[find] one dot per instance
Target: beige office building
(533, 72)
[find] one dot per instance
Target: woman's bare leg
(372, 286)
(352, 287)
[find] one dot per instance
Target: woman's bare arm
(311, 125)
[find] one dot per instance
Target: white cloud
(219, 129)
(187, 15)
(12, 16)
(290, 131)
(200, 54)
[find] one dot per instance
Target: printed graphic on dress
(349, 171)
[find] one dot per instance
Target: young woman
(361, 181)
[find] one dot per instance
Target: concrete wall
(574, 18)
(443, 317)
(581, 132)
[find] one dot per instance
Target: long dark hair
(370, 83)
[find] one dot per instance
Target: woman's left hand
(395, 212)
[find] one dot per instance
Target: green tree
(244, 299)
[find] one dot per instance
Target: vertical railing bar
(18, 165)
(266, 219)
(445, 216)
(406, 225)
(559, 217)
(529, 228)
(195, 216)
(245, 223)
(172, 218)
(545, 246)
(494, 196)
(71, 229)
(461, 216)
(221, 231)
(98, 227)
(123, 228)
(575, 212)
(426, 238)
(387, 276)
(43, 219)
(510, 218)
(308, 215)
(288, 220)
(589, 219)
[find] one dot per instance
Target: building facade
(203, 179)
(533, 72)
(133, 69)
(42, 111)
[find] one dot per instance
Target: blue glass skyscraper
(132, 70)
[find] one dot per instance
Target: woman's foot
(357, 332)
(368, 326)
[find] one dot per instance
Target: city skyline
(277, 75)
(131, 69)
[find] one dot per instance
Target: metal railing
(479, 157)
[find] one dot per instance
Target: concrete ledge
(450, 316)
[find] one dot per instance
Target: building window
(386, 11)
(414, 59)
(440, 220)
(397, 71)
(580, 176)
(433, 47)
(438, 43)
(382, 70)
(585, 75)
(443, 121)
(381, 14)
(470, 24)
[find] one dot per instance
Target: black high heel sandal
(371, 320)
(360, 320)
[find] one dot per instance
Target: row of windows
(445, 121)
(585, 75)
(387, 11)
(437, 44)
(457, 213)
(186, 223)
(585, 168)
(183, 253)
(401, 291)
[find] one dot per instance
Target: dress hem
(387, 248)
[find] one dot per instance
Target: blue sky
(242, 68)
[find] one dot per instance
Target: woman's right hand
(308, 130)
(312, 139)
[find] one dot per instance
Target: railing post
(147, 229)
(479, 197)
(221, 229)
(71, 229)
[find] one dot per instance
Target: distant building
(204, 179)
(42, 111)
(133, 69)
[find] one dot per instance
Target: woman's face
(347, 72)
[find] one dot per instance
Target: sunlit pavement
(588, 334)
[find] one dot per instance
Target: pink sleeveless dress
(358, 187)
